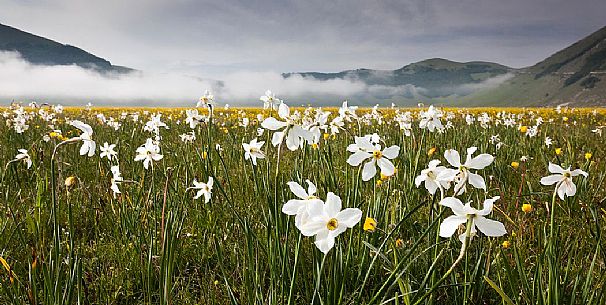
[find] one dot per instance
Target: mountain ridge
(38, 50)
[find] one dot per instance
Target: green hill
(41, 51)
(575, 75)
(431, 78)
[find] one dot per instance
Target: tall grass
(155, 244)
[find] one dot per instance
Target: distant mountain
(427, 79)
(575, 75)
(41, 51)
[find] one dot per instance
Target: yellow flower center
(332, 224)
(567, 175)
(377, 154)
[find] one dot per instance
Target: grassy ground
(78, 243)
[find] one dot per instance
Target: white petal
(325, 242)
(294, 207)
(387, 168)
(277, 138)
(297, 189)
(419, 179)
(454, 204)
(480, 162)
(312, 226)
(272, 124)
(477, 181)
(555, 169)
(431, 186)
(570, 187)
(451, 224)
(551, 179)
(488, 205)
(358, 157)
(453, 157)
(577, 172)
(333, 205)
(283, 111)
(391, 152)
(311, 187)
(292, 140)
(349, 217)
(369, 170)
(490, 227)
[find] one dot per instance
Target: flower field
(284, 205)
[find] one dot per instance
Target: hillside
(575, 75)
(431, 78)
(41, 51)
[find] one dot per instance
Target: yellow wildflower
(370, 224)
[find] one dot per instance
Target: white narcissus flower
(88, 145)
(298, 207)
(193, 118)
(24, 156)
(435, 176)
(430, 119)
(377, 156)
(108, 151)
(464, 175)
(116, 179)
(563, 178)
(204, 189)
(253, 150)
(464, 212)
(148, 152)
(206, 100)
(293, 132)
(269, 100)
(326, 221)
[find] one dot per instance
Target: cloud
(22, 80)
(488, 83)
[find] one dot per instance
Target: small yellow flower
(523, 129)
(379, 182)
(204, 155)
(326, 136)
(526, 208)
(558, 151)
(565, 119)
(370, 224)
(314, 145)
(506, 244)
(515, 164)
(588, 156)
(70, 181)
(431, 151)
(399, 243)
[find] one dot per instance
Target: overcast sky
(211, 38)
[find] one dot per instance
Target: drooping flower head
(563, 180)
(88, 145)
(464, 212)
(204, 189)
(253, 150)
